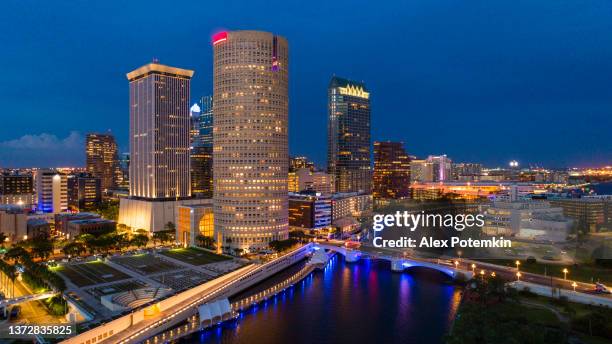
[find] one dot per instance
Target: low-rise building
(194, 220)
(353, 204)
(63, 220)
(535, 220)
(593, 214)
(310, 210)
(90, 226)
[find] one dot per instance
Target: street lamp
(493, 274)
(482, 273)
(565, 271)
(518, 276)
(473, 267)
(517, 263)
(574, 285)
(456, 264)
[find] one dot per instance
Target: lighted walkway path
(194, 324)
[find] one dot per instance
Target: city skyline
(557, 96)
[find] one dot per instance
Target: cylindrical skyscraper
(250, 159)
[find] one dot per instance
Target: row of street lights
(518, 273)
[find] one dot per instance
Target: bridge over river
(399, 263)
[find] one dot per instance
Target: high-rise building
(52, 190)
(206, 121)
(159, 132)
(102, 159)
(159, 147)
(194, 127)
(391, 170)
(348, 135)
(250, 159)
(201, 171)
(84, 191)
(17, 189)
(421, 171)
(441, 167)
(202, 150)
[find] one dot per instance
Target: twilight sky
(480, 80)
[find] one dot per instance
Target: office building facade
(159, 132)
(391, 177)
(102, 159)
(348, 146)
(52, 191)
(250, 158)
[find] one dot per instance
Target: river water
(349, 303)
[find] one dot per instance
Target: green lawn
(194, 256)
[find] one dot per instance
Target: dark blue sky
(480, 80)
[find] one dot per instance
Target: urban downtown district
(208, 217)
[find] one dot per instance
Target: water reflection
(348, 303)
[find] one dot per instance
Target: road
(505, 272)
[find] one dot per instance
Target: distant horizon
(497, 82)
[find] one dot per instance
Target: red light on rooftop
(219, 37)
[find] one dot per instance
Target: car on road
(600, 288)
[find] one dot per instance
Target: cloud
(43, 150)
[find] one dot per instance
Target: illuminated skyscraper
(102, 159)
(52, 190)
(348, 135)
(206, 121)
(202, 150)
(250, 105)
(159, 132)
(391, 170)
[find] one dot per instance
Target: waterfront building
(421, 171)
(102, 159)
(391, 170)
(84, 191)
(527, 219)
(159, 146)
(52, 191)
(17, 189)
(194, 220)
(310, 210)
(250, 159)
(348, 135)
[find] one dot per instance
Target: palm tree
(17, 253)
(206, 241)
(74, 249)
(139, 240)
